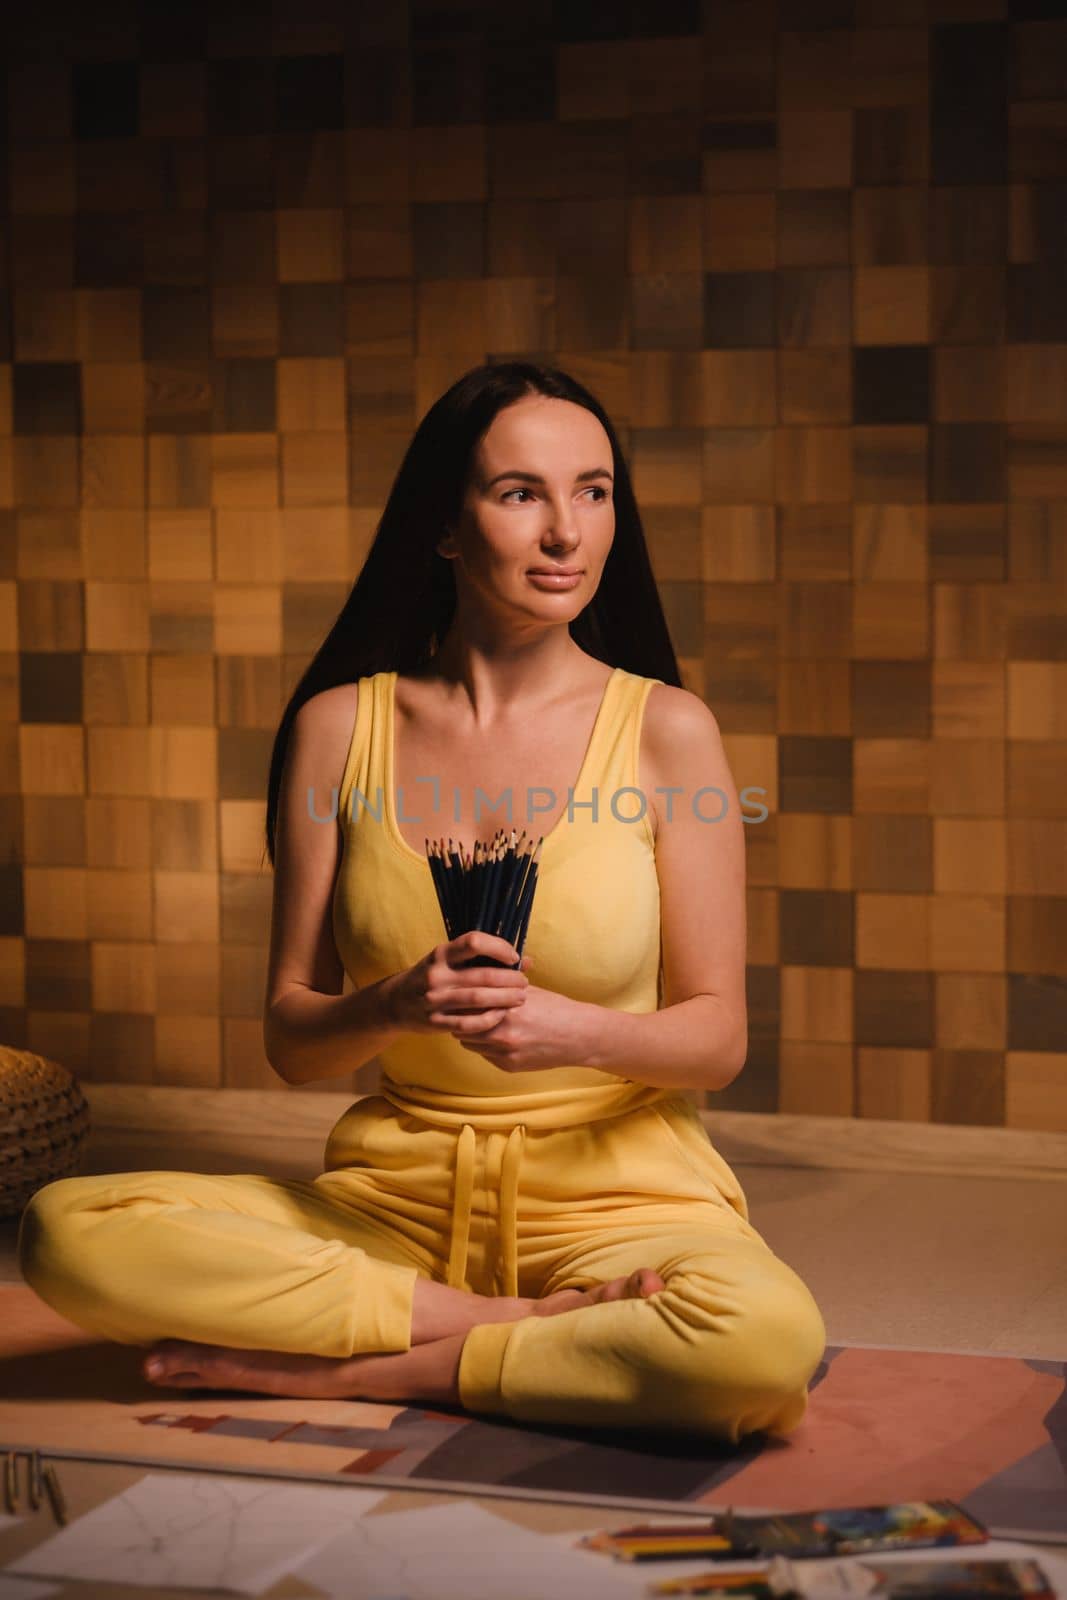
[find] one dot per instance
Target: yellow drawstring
(461, 1206)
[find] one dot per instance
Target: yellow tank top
(593, 932)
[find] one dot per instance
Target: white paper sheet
(199, 1531)
(461, 1552)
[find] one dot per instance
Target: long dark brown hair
(402, 603)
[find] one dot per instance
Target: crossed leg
(428, 1371)
(250, 1282)
(727, 1347)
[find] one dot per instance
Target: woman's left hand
(546, 1030)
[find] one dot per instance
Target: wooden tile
(243, 975)
(47, 829)
(967, 777)
(814, 542)
(1037, 1011)
(813, 466)
(967, 304)
(892, 853)
(889, 542)
(120, 1046)
(970, 622)
(762, 907)
(816, 1079)
(814, 696)
(814, 149)
(58, 975)
(49, 613)
(967, 544)
(119, 906)
(892, 931)
(968, 461)
(891, 699)
(816, 927)
(891, 384)
(738, 309)
(739, 232)
(968, 1087)
(891, 775)
(1036, 1090)
(1037, 862)
(50, 687)
(815, 773)
(967, 933)
(55, 1035)
(814, 307)
(816, 1003)
(244, 1065)
(12, 977)
(1037, 700)
(889, 464)
(971, 1010)
(739, 620)
(123, 977)
(893, 1009)
(814, 227)
(187, 1051)
(814, 850)
(968, 224)
(738, 544)
(894, 1084)
(814, 386)
(1035, 383)
(188, 977)
(738, 466)
(1037, 778)
(738, 388)
(890, 620)
(970, 855)
(51, 759)
(889, 142)
(816, 620)
(12, 928)
(891, 305)
(889, 225)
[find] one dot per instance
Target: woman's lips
(555, 580)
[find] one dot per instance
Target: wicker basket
(44, 1120)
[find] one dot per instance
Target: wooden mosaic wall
(811, 257)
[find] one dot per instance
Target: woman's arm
(699, 1039)
(310, 1028)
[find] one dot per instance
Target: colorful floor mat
(883, 1424)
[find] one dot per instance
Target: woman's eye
(596, 489)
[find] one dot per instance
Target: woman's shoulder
(325, 724)
(329, 705)
(673, 713)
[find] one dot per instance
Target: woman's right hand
(427, 997)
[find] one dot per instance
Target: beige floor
(934, 1238)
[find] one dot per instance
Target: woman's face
(540, 495)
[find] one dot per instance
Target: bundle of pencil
(491, 888)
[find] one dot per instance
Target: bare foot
(187, 1365)
(638, 1284)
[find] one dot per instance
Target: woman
(529, 1218)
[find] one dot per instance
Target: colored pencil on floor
(34, 1480)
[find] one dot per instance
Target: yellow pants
(327, 1266)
